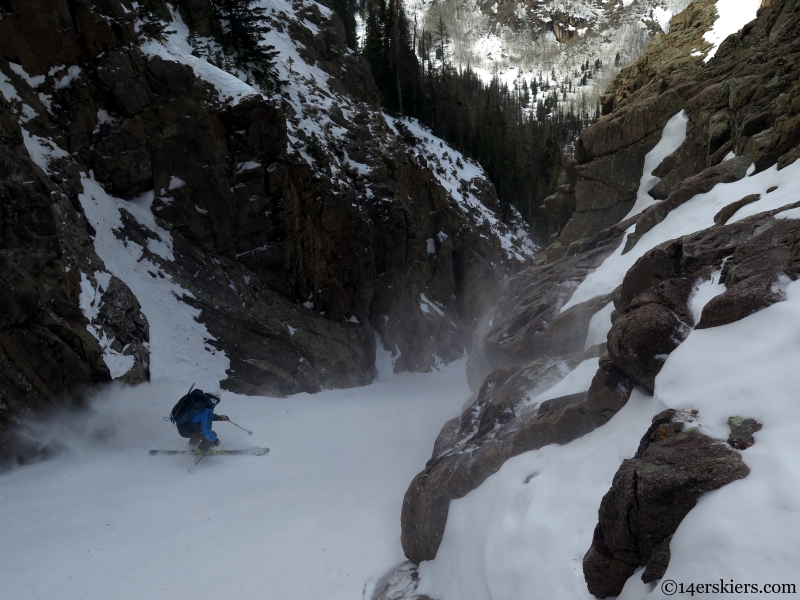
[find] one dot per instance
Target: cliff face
(619, 283)
(138, 175)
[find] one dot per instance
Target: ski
(254, 451)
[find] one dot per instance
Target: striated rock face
(649, 497)
(294, 247)
(46, 352)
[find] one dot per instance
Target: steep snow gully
(523, 533)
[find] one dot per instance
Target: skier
(193, 415)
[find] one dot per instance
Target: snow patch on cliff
(733, 15)
(695, 215)
(181, 347)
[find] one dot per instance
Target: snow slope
(316, 519)
(733, 15)
(695, 215)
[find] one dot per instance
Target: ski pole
(201, 458)
(240, 427)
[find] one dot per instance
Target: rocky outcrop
(649, 497)
(653, 307)
(500, 424)
(528, 322)
(564, 26)
(725, 115)
(726, 172)
(47, 355)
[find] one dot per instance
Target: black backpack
(182, 411)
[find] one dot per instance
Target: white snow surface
(509, 539)
(703, 292)
(577, 380)
(672, 137)
(231, 89)
(749, 529)
(733, 15)
(599, 326)
(90, 301)
(42, 150)
(315, 519)
(694, 215)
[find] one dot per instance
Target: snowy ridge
(515, 40)
(457, 174)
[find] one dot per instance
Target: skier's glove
(221, 418)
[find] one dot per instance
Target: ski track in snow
(318, 518)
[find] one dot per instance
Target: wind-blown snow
(576, 381)
(315, 519)
(694, 215)
(733, 15)
(672, 137)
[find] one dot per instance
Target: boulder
(650, 495)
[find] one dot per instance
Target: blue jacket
(203, 420)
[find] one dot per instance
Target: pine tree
(388, 49)
(346, 12)
(245, 25)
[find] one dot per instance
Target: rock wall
(744, 101)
